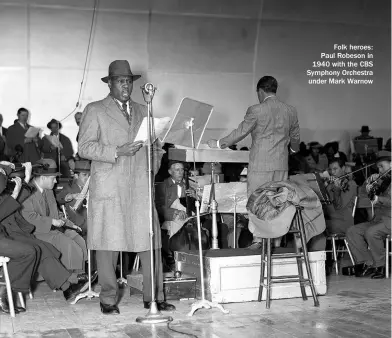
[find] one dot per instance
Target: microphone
(148, 89)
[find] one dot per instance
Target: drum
(315, 182)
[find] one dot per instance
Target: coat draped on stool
(118, 214)
(272, 207)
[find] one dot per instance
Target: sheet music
(160, 125)
(205, 199)
(32, 132)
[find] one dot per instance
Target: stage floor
(353, 308)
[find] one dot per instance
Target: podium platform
(233, 275)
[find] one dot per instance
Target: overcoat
(118, 206)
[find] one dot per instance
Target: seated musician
(169, 199)
(28, 254)
(366, 240)
(342, 193)
(69, 194)
(40, 209)
(317, 162)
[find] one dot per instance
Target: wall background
(213, 51)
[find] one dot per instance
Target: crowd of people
(45, 229)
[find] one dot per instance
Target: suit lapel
(114, 112)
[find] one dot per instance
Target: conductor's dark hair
(267, 84)
(21, 110)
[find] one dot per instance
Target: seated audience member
(342, 193)
(29, 148)
(366, 240)
(69, 193)
(317, 162)
(40, 209)
(27, 254)
(365, 130)
(331, 149)
(49, 150)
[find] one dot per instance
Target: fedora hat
(82, 166)
(120, 68)
(48, 167)
(365, 129)
(54, 121)
(383, 155)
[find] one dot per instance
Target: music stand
(364, 148)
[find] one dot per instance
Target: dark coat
(15, 136)
(67, 150)
(165, 194)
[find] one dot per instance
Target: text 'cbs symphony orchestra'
(345, 64)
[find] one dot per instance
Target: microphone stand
(154, 316)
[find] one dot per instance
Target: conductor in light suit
(118, 216)
(273, 126)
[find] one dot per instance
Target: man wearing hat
(118, 214)
(317, 162)
(69, 193)
(365, 130)
(366, 240)
(40, 209)
(49, 150)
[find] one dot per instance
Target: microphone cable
(85, 62)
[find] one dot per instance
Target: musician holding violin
(342, 191)
(68, 194)
(366, 240)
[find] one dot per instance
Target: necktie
(126, 113)
(46, 203)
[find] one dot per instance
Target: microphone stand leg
(89, 294)
(122, 281)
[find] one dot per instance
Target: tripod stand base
(206, 305)
(154, 316)
(88, 294)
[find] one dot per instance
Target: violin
(378, 183)
(341, 182)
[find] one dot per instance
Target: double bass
(187, 237)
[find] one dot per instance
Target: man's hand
(28, 140)
(18, 187)
(179, 215)
(57, 223)
(71, 164)
(28, 168)
(70, 197)
(8, 164)
(129, 149)
(191, 193)
(212, 143)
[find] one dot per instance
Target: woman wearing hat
(51, 151)
(367, 239)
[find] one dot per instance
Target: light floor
(353, 308)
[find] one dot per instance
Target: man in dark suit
(273, 126)
(27, 149)
(51, 151)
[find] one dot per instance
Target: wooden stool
(333, 238)
(297, 227)
(3, 263)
